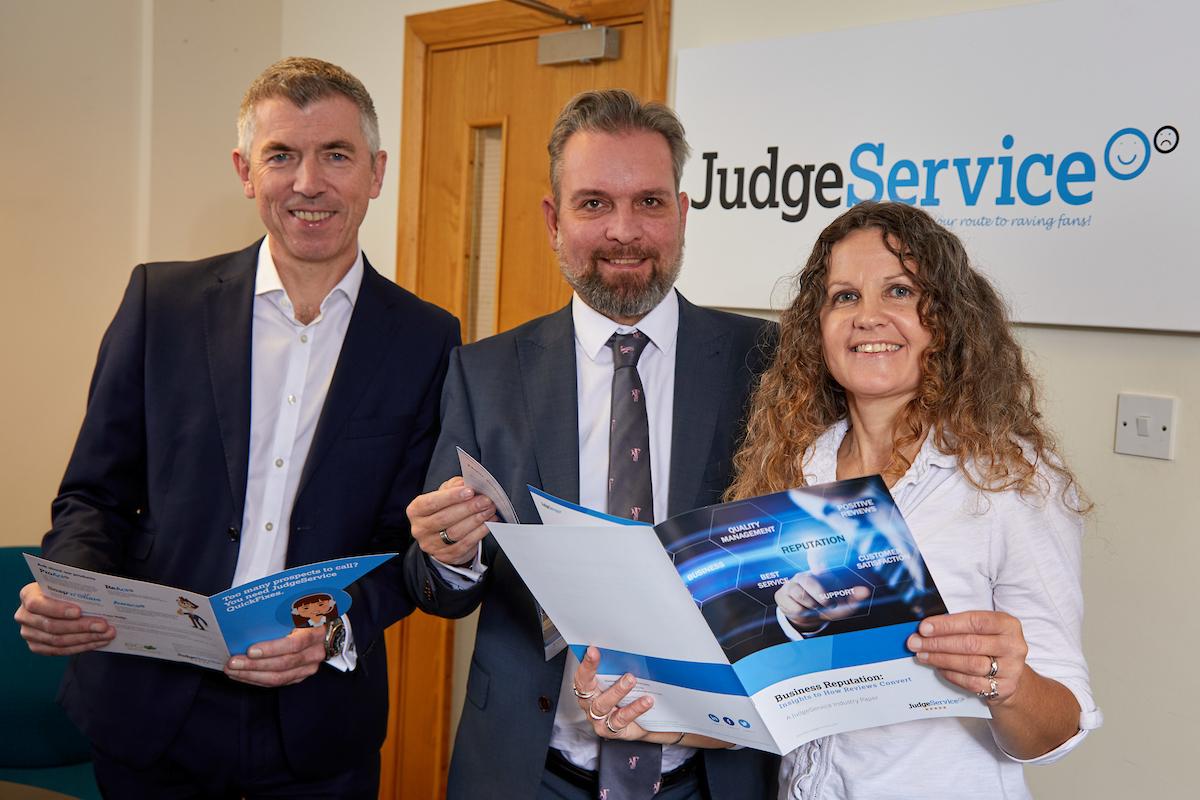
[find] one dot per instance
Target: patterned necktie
(630, 492)
(629, 770)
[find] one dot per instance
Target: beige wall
(117, 124)
(204, 55)
(71, 88)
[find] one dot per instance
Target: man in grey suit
(533, 405)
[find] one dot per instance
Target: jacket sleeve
(94, 516)
(432, 594)
(384, 596)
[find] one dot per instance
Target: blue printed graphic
(766, 667)
(843, 542)
(268, 608)
(1127, 154)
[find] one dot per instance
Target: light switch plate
(1146, 425)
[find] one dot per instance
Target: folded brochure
(689, 608)
(178, 625)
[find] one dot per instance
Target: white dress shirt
(593, 374)
(573, 733)
(291, 368)
(992, 551)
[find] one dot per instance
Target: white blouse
(992, 550)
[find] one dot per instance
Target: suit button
(233, 533)
(544, 703)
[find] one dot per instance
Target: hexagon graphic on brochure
(751, 536)
(735, 617)
(707, 569)
(812, 546)
(836, 588)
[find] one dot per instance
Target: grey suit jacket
(511, 402)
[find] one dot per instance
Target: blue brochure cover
(158, 621)
(849, 536)
(295, 598)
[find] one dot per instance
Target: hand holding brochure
(177, 625)
(690, 608)
(476, 477)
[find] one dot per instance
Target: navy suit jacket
(156, 485)
(511, 402)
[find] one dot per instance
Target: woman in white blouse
(896, 358)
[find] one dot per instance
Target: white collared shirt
(573, 733)
(292, 366)
(593, 381)
(991, 551)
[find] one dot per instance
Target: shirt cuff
(1089, 720)
(790, 631)
(462, 577)
(348, 659)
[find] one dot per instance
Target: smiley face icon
(1166, 138)
(1127, 154)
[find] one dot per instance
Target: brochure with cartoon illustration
(177, 625)
(710, 610)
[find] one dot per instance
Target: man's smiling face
(618, 227)
(312, 175)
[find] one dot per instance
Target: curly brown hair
(976, 396)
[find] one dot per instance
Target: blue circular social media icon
(1127, 154)
(743, 723)
(727, 720)
(714, 717)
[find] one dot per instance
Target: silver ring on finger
(611, 729)
(583, 695)
(446, 540)
(591, 709)
(993, 690)
(995, 668)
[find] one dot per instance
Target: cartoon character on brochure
(188, 609)
(314, 610)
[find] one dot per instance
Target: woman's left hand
(611, 720)
(981, 651)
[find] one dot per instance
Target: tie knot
(627, 348)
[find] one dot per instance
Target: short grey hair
(304, 81)
(614, 111)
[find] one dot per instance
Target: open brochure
(177, 625)
(689, 607)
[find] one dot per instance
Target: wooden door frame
(416, 755)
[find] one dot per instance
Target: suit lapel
(228, 319)
(370, 323)
(547, 358)
(701, 372)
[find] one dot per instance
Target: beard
(622, 295)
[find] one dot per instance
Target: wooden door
(471, 79)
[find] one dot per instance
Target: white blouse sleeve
(1035, 554)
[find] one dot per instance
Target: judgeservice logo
(1016, 175)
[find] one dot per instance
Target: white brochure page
(613, 586)
(150, 619)
(610, 586)
(478, 478)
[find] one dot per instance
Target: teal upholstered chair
(41, 746)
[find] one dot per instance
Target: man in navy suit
(533, 405)
(249, 412)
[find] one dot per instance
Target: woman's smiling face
(871, 333)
